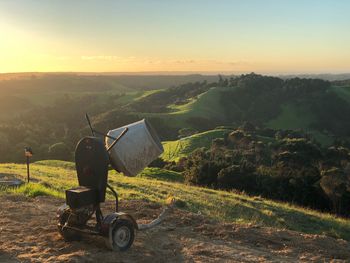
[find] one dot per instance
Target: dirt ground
(28, 234)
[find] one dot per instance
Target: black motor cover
(81, 196)
(92, 160)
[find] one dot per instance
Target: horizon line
(180, 73)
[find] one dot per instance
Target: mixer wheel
(121, 235)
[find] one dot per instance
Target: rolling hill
(297, 104)
(22, 91)
(318, 107)
(206, 104)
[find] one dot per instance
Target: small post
(28, 153)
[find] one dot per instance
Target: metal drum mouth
(153, 134)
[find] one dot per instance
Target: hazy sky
(266, 36)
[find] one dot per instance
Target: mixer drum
(136, 149)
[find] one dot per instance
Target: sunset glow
(199, 36)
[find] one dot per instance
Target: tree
(59, 151)
(334, 184)
(201, 169)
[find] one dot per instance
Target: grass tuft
(34, 190)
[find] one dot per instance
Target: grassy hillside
(178, 115)
(42, 88)
(208, 110)
(22, 91)
(292, 117)
(173, 150)
(296, 117)
(205, 105)
(343, 92)
(53, 177)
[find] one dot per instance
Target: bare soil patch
(28, 233)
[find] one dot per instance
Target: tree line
(283, 165)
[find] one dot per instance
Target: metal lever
(93, 131)
(89, 122)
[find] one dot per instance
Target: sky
(270, 36)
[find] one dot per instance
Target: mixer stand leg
(99, 217)
(116, 197)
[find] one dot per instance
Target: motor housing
(81, 196)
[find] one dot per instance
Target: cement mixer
(128, 149)
(136, 149)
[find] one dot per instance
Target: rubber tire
(130, 226)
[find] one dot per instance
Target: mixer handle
(93, 131)
(89, 122)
